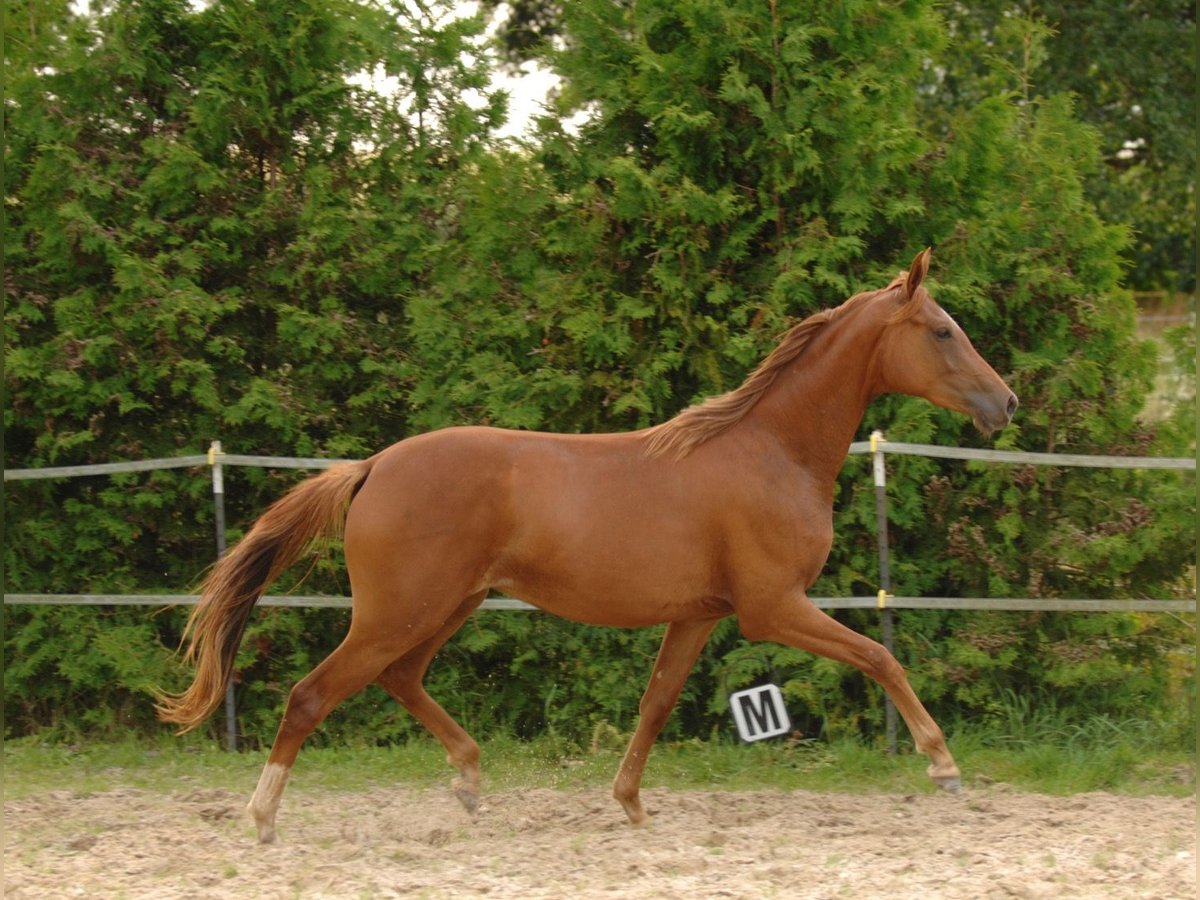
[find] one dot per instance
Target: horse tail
(312, 511)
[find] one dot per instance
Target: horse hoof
(469, 800)
(951, 785)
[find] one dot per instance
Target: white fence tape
(859, 447)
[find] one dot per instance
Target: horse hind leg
(403, 680)
(350, 667)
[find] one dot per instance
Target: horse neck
(816, 405)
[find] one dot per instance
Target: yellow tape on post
(883, 597)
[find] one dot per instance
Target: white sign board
(759, 713)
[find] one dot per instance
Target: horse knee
(881, 665)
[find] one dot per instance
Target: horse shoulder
(776, 527)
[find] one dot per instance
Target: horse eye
(943, 333)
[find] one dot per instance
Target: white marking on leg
(265, 802)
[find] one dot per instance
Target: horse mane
(705, 420)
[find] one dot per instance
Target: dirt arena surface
(988, 842)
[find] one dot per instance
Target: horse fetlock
(631, 802)
(637, 815)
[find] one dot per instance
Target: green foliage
(217, 228)
(211, 233)
(1141, 100)
(60, 662)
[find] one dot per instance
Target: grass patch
(1117, 765)
(34, 766)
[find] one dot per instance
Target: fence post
(218, 485)
(885, 575)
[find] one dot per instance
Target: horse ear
(916, 274)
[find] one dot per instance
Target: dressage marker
(726, 509)
(759, 713)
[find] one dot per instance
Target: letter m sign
(759, 713)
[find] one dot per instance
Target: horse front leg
(681, 645)
(797, 622)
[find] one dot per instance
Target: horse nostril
(1012, 404)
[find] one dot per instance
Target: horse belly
(612, 563)
(616, 602)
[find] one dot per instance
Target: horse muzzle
(993, 411)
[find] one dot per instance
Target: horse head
(924, 353)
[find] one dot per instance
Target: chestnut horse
(726, 509)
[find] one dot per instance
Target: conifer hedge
(216, 228)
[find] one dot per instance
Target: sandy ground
(989, 842)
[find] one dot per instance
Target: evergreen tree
(212, 232)
(1132, 74)
(734, 171)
